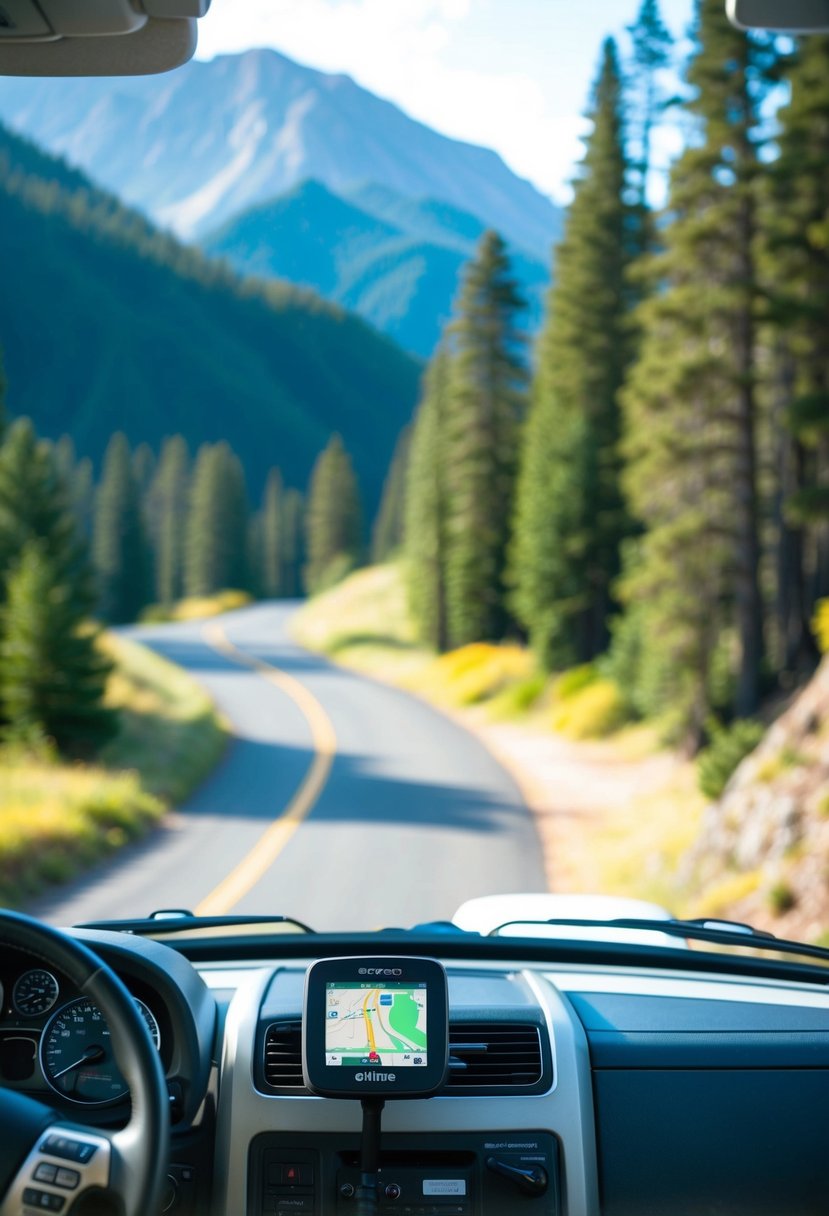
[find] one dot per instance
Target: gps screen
(375, 1023)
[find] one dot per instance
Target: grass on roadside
(196, 608)
(58, 818)
(170, 732)
(641, 851)
(364, 623)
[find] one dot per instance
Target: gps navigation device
(375, 1027)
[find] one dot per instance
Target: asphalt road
(341, 802)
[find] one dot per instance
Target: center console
(461, 1174)
(503, 1137)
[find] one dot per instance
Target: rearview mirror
(785, 16)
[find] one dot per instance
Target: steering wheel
(79, 1170)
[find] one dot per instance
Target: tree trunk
(749, 600)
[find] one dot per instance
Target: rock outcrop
(772, 822)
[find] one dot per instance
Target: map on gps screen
(375, 1024)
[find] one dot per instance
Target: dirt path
(576, 789)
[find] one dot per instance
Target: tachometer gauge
(76, 1053)
(34, 993)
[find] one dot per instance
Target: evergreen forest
(646, 492)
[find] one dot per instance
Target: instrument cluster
(53, 1039)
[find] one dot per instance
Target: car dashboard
(583, 1080)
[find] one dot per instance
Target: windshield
(414, 502)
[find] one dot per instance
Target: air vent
(491, 1056)
(494, 1056)
(282, 1063)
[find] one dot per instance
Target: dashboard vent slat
(492, 1055)
(486, 1056)
(282, 1064)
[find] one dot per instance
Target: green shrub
(781, 898)
(729, 745)
(515, 700)
(820, 626)
(593, 713)
(571, 682)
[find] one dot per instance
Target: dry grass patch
(638, 850)
(197, 607)
(57, 819)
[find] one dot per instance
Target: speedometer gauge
(76, 1053)
(34, 993)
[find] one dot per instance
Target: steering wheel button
(42, 1200)
(45, 1172)
(69, 1150)
(68, 1179)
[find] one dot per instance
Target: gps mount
(375, 1029)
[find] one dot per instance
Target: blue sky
(510, 74)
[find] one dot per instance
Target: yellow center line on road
(244, 877)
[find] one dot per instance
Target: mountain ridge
(108, 309)
(217, 136)
(398, 266)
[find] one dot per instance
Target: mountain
(109, 324)
(395, 261)
(429, 218)
(196, 146)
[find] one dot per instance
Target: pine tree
(570, 519)
(204, 548)
(34, 506)
(65, 458)
(119, 545)
(486, 409)
(271, 538)
(254, 551)
(53, 677)
(166, 514)
(334, 520)
(217, 523)
(427, 506)
(691, 405)
(143, 469)
(237, 514)
(78, 480)
(387, 535)
(293, 546)
(798, 273)
(652, 43)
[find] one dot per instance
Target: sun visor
(97, 37)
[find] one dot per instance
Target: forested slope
(113, 325)
(396, 262)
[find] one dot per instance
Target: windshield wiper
(178, 922)
(703, 929)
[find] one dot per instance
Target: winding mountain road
(341, 802)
